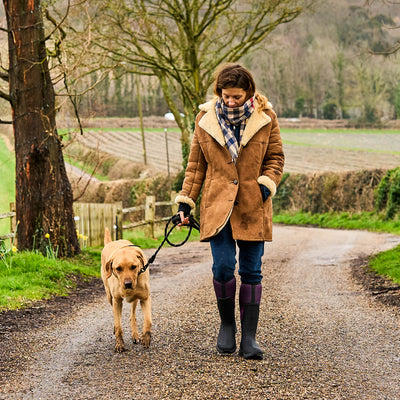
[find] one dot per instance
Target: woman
(237, 155)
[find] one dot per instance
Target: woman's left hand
(265, 192)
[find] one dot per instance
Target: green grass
(387, 264)
(368, 221)
(30, 276)
(7, 184)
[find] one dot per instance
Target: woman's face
(233, 97)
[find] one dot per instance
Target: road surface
(324, 337)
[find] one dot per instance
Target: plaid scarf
(229, 119)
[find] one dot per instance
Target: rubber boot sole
(251, 356)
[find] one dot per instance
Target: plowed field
(306, 150)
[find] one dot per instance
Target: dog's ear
(108, 268)
(142, 258)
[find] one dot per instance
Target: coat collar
(210, 124)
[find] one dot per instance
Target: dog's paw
(119, 346)
(146, 339)
(136, 338)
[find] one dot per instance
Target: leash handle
(176, 219)
(193, 224)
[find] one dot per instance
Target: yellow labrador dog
(121, 262)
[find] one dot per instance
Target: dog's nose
(128, 284)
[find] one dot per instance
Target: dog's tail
(107, 236)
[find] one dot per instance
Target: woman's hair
(235, 76)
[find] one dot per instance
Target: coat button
(235, 182)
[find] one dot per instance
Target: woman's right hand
(184, 220)
(182, 216)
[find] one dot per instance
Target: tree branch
(5, 96)
(4, 76)
(57, 25)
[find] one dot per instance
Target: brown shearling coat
(232, 192)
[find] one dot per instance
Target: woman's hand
(184, 220)
(182, 216)
(265, 192)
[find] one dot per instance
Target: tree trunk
(44, 202)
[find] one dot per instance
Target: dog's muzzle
(128, 284)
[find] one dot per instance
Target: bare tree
(43, 192)
(183, 41)
(389, 25)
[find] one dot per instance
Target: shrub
(322, 192)
(289, 113)
(388, 193)
(299, 105)
(282, 199)
(396, 101)
(329, 110)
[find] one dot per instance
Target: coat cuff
(267, 182)
(186, 200)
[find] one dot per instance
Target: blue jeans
(223, 249)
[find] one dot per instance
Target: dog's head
(125, 264)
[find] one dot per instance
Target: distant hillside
(320, 64)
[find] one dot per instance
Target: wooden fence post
(174, 206)
(149, 215)
(13, 223)
(118, 215)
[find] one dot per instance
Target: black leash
(175, 220)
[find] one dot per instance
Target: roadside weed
(6, 254)
(51, 252)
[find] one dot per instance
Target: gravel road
(324, 336)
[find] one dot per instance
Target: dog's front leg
(134, 330)
(119, 341)
(146, 309)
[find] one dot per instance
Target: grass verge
(26, 277)
(387, 264)
(29, 276)
(368, 221)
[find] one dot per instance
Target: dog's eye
(119, 269)
(133, 267)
